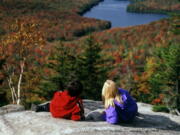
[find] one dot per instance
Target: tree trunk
(19, 83)
(13, 93)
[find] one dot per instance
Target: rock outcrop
(11, 108)
(32, 123)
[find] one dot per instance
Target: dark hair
(75, 88)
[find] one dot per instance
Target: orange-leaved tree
(21, 48)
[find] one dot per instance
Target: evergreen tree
(167, 76)
(87, 66)
(92, 69)
(63, 64)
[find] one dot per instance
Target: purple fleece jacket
(121, 112)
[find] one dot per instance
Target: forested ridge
(58, 19)
(154, 6)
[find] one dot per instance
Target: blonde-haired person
(119, 105)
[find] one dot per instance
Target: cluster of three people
(119, 104)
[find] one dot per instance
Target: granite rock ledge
(31, 123)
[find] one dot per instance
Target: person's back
(127, 110)
(119, 105)
(66, 104)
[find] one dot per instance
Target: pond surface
(115, 12)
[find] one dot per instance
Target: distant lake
(115, 12)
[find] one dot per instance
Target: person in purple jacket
(120, 107)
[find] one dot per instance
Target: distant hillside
(128, 42)
(59, 19)
(128, 49)
(154, 6)
(131, 48)
(133, 44)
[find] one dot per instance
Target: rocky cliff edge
(14, 120)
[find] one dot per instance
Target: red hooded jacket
(64, 106)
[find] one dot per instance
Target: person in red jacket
(66, 104)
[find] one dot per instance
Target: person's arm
(80, 103)
(76, 116)
(78, 113)
(111, 115)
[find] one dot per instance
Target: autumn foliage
(59, 19)
(155, 6)
(132, 49)
(31, 29)
(22, 51)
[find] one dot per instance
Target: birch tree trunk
(13, 92)
(19, 83)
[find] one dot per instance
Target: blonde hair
(109, 93)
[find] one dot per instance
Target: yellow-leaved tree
(22, 49)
